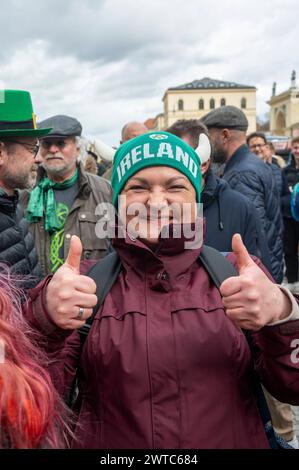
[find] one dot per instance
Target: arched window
(212, 103)
(243, 103)
(181, 105)
(222, 102)
(201, 104)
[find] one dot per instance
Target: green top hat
(16, 115)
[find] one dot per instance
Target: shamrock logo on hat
(158, 136)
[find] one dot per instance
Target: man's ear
(226, 135)
(204, 168)
(2, 153)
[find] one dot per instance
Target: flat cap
(226, 117)
(62, 126)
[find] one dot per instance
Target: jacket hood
(212, 188)
(175, 252)
(8, 203)
(212, 192)
(292, 162)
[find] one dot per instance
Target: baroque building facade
(284, 110)
(195, 99)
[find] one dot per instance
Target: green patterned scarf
(42, 201)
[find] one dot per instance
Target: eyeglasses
(30, 147)
(47, 143)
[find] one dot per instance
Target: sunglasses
(60, 143)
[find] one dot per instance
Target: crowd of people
(128, 340)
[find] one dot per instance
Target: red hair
(32, 415)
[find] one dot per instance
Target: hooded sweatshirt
(227, 212)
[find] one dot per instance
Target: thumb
(242, 255)
(74, 255)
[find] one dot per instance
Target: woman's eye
(137, 188)
(177, 186)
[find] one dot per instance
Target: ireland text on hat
(165, 150)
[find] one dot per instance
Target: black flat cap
(62, 126)
(226, 117)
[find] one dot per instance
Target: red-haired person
(32, 414)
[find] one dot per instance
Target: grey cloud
(100, 30)
(110, 61)
(89, 30)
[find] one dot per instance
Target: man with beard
(65, 199)
(246, 173)
(218, 199)
(18, 169)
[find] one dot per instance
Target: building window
(201, 104)
(181, 105)
(222, 102)
(212, 103)
(243, 103)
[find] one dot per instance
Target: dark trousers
(291, 240)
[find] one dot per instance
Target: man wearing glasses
(247, 174)
(256, 142)
(65, 199)
(18, 170)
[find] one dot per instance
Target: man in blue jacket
(247, 174)
(226, 211)
(290, 219)
(258, 145)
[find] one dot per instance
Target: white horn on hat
(104, 150)
(204, 148)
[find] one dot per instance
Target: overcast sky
(109, 62)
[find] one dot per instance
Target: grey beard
(55, 171)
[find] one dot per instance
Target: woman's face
(156, 197)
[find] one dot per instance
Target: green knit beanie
(154, 149)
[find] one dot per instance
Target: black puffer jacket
(228, 212)
(291, 174)
(281, 182)
(16, 243)
(246, 173)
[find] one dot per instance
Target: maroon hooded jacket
(163, 366)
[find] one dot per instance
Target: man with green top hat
(65, 199)
(18, 169)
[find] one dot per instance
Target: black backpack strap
(217, 265)
(219, 269)
(104, 273)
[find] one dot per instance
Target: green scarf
(42, 197)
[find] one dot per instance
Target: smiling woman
(159, 177)
(151, 201)
(165, 362)
(164, 150)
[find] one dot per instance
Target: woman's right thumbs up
(70, 296)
